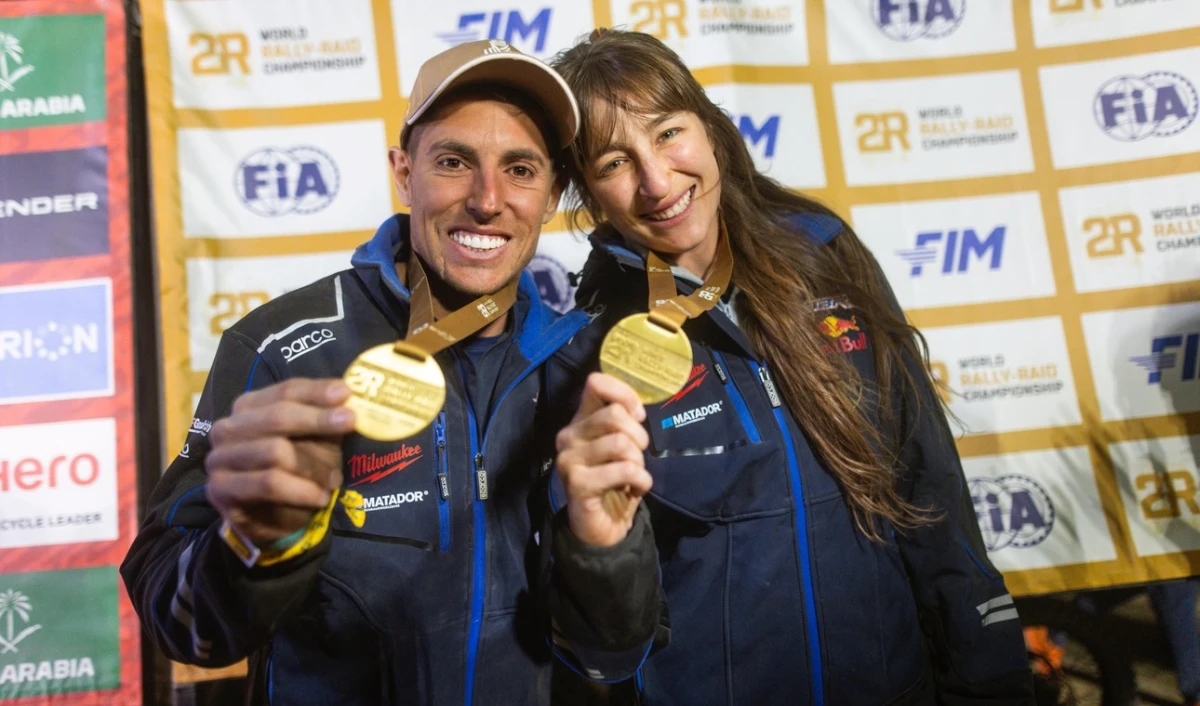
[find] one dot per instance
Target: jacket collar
(535, 323)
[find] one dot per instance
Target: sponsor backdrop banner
(1024, 170)
(68, 494)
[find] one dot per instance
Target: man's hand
(601, 451)
(277, 457)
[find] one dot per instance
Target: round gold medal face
(396, 394)
(651, 358)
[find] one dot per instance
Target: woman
(814, 535)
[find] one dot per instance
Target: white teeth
(675, 210)
(477, 241)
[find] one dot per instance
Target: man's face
(479, 181)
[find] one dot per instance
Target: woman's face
(657, 182)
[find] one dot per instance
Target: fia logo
(1073, 5)
(959, 247)
(1132, 108)
(276, 182)
(662, 19)
(1164, 356)
(15, 603)
(1012, 511)
(553, 282)
(505, 26)
(11, 53)
(766, 133)
(219, 54)
(906, 20)
(1113, 235)
(882, 132)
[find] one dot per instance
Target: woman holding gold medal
(804, 497)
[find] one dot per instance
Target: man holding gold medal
(360, 514)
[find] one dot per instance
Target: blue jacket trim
(818, 226)
(380, 253)
(171, 514)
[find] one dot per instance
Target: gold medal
(398, 390)
(648, 353)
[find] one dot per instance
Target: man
(412, 588)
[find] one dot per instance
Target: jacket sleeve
(966, 611)
(197, 601)
(607, 610)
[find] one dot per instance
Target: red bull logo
(834, 326)
(840, 330)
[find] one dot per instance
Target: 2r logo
(1111, 236)
(657, 17)
(219, 53)
(231, 307)
(364, 381)
(941, 379)
(882, 131)
(1072, 5)
(1169, 492)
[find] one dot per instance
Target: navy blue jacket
(773, 596)
(430, 601)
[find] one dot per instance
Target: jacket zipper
(739, 403)
(815, 668)
(443, 482)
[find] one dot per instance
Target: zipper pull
(481, 489)
(439, 435)
(769, 385)
(720, 371)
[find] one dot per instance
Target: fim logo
(553, 282)
(1163, 356)
(1012, 510)
(906, 20)
(1132, 108)
(501, 25)
(957, 251)
(766, 134)
(12, 66)
(662, 19)
(275, 182)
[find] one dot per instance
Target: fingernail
(335, 479)
(641, 413)
(341, 417)
(337, 391)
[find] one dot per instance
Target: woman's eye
(668, 134)
(610, 166)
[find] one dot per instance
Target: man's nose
(487, 196)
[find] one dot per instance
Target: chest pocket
(707, 456)
(401, 491)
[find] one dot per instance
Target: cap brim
(519, 71)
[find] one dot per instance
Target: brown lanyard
(429, 333)
(670, 309)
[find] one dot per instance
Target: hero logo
(393, 500)
(276, 182)
(553, 282)
(1132, 108)
(1163, 356)
(1012, 511)
(906, 20)
(31, 473)
(506, 26)
(958, 249)
(306, 343)
(692, 416)
(766, 133)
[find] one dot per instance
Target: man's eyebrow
(455, 146)
(523, 154)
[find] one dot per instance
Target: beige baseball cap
(494, 61)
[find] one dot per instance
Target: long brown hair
(779, 274)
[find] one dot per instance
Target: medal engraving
(395, 395)
(650, 358)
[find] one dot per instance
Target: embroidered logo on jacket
(369, 468)
(692, 416)
(699, 372)
(846, 334)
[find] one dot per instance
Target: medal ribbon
(670, 309)
(429, 333)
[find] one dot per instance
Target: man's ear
(401, 174)
(556, 192)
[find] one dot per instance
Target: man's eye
(522, 172)
(450, 162)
